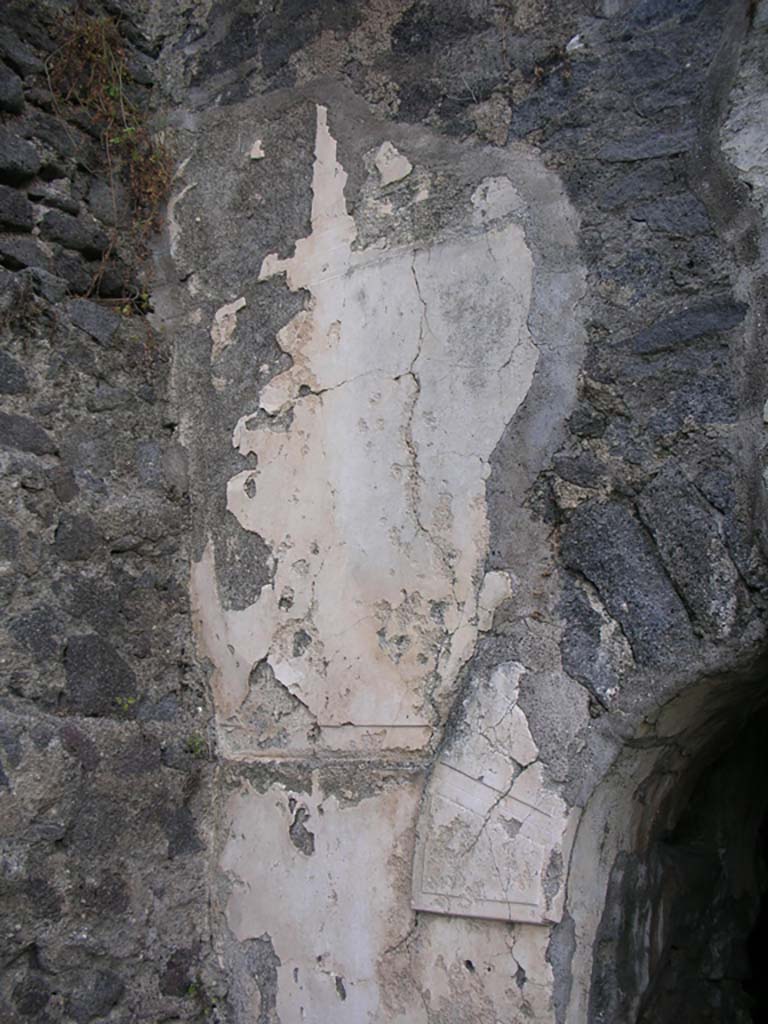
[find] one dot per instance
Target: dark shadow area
(710, 878)
(756, 985)
(684, 932)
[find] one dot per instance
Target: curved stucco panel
(356, 380)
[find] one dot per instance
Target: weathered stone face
(459, 429)
(457, 479)
(494, 838)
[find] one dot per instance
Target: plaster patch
(391, 164)
(497, 587)
(330, 913)
(492, 832)
(224, 324)
(372, 458)
(494, 198)
(743, 134)
(174, 228)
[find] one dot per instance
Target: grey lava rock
(97, 321)
(19, 159)
(25, 435)
(99, 682)
(13, 379)
(15, 210)
(74, 233)
(11, 92)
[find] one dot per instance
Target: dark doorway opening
(710, 869)
(756, 984)
(684, 933)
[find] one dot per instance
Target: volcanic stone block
(608, 546)
(99, 682)
(18, 159)
(17, 253)
(15, 210)
(11, 93)
(95, 320)
(13, 379)
(74, 233)
(25, 435)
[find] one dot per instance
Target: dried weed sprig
(89, 73)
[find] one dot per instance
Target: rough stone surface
(74, 233)
(13, 379)
(99, 323)
(15, 210)
(18, 252)
(11, 92)
(24, 434)
(459, 478)
(18, 158)
(105, 780)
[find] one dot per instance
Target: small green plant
(196, 990)
(125, 703)
(196, 745)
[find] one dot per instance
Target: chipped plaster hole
(299, 834)
(301, 641)
(511, 826)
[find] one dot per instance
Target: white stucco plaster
(391, 164)
(494, 839)
(224, 324)
(366, 449)
(329, 914)
(372, 456)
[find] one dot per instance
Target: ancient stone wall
(444, 434)
(103, 722)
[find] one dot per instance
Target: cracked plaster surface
(364, 473)
(372, 455)
(348, 949)
(344, 889)
(493, 839)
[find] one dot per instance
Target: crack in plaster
(478, 787)
(372, 497)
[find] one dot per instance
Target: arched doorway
(669, 878)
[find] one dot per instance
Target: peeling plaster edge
(318, 762)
